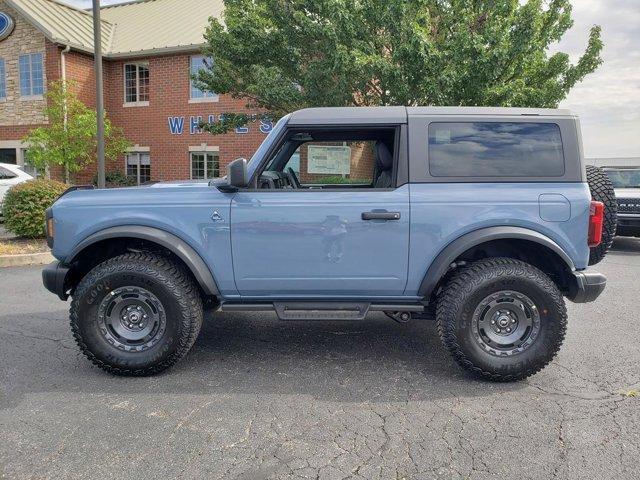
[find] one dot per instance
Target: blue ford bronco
(482, 218)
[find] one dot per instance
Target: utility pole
(97, 58)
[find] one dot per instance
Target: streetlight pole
(97, 58)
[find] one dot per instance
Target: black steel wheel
(136, 314)
(506, 323)
(501, 319)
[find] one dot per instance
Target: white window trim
(44, 80)
(213, 99)
(133, 151)
(124, 84)
(204, 148)
(199, 150)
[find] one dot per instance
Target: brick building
(150, 49)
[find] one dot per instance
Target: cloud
(608, 100)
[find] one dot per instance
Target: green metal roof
(135, 28)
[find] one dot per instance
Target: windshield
(624, 177)
(264, 146)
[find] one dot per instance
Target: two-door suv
(481, 217)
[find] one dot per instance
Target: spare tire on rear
(602, 191)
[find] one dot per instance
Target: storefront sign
(177, 125)
(6, 25)
(333, 160)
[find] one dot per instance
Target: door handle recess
(380, 215)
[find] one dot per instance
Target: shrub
(25, 203)
(115, 179)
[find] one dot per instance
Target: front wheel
(501, 319)
(136, 314)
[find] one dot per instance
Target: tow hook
(400, 317)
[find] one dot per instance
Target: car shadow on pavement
(375, 360)
(626, 245)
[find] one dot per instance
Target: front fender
(179, 247)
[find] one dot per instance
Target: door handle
(380, 215)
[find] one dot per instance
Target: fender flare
(171, 242)
(448, 255)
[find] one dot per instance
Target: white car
(10, 175)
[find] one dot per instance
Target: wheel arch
(172, 243)
(494, 236)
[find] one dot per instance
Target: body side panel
(441, 213)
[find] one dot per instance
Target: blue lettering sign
(242, 130)
(176, 125)
(266, 127)
(194, 125)
(212, 119)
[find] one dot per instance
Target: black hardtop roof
(391, 115)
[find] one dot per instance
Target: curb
(26, 259)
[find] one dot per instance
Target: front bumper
(586, 286)
(54, 278)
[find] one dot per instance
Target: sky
(608, 100)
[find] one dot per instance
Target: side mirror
(236, 175)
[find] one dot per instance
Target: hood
(627, 192)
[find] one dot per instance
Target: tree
(70, 138)
(282, 55)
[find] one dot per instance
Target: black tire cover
(602, 191)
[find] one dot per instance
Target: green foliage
(115, 179)
(71, 144)
(282, 55)
(25, 203)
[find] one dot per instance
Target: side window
(495, 149)
(341, 159)
(6, 174)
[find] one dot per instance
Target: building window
(139, 167)
(136, 83)
(198, 63)
(31, 75)
(3, 80)
(28, 166)
(205, 165)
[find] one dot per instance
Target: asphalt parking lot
(257, 398)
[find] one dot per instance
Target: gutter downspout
(63, 68)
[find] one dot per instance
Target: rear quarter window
(495, 149)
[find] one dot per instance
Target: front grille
(629, 205)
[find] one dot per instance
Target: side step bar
(320, 310)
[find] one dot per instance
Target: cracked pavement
(257, 398)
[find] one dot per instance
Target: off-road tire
(602, 191)
(464, 293)
(168, 282)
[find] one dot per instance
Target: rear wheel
(136, 314)
(501, 319)
(602, 191)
